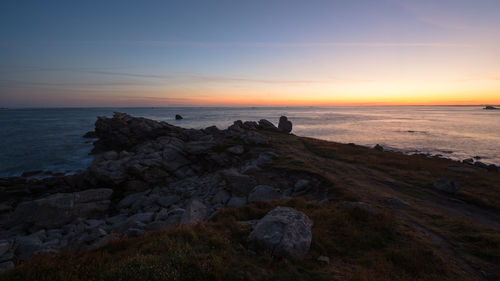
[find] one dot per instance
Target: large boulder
(283, 232)
(239, 184)
(285, 125)
(266, 125)
(57, 209)
(446, 185)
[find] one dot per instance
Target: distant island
(490, 107)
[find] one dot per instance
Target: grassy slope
(436, 238)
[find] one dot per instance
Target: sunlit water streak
(51, 139)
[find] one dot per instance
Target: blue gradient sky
(287, 52)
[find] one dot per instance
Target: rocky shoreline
(148, 175)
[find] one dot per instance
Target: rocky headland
(148, 176)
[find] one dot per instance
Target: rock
(195, 212)
(469, 161)
(123, 132)
(4, 266)
(378, 147)
(131, 199)
(55, 210)
(492, 168)
(143, 217)
(323, 259)
(178, 117)
(236, 127)
(237, 149)
(284, 125)
(362, 205)
(446, 185)
(283, 232)
(480, 164)
(27, 246)
(90, 135)
(110, 155)
(255, 138)
(250, 125)
(263, 193)
(301, 184)
(4, 247)
(213, 130)
(221, 197)
(461, 169)
(266, 125)
(237, 202)
(162, 215)
(265, 158)
(167, 201)
(489, 107)
(239, 184)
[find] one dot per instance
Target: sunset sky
(270, 52)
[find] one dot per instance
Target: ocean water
(51, 139)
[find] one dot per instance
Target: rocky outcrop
(155, 175)
(178, 117)
(283, 232)
(58, 209)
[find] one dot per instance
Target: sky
(249, 53)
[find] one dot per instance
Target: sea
(50, 139)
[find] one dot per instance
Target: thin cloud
(296, 44)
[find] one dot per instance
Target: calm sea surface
(51, 139)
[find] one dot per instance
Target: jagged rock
(492, 168)
(266, 125)
(131, 199)
(90, 135)
(58, 209)
(236, 127)
(122, 132)
(239, 184)
(365, 206)
(263, 193)
(378, 147)
(250, 125)
(283, 232)
(469, 161)
(4, 247)
(446, 185)
(481, 165)
(237, 149)
(195, 212)
(255, 138)
(167, 201)
(178, 117)
(284, 125)
(237, 202)
(143, 217)
(221, 197)
(27, 245)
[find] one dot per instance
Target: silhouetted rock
(266, 125)
(178, 117)
(285, 125)
(378, 147)
(489, 107)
